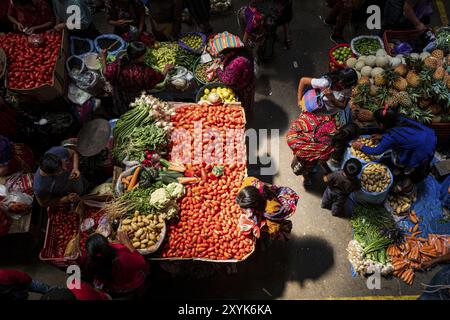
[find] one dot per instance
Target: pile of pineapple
(418, 87)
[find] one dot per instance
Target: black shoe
(337, 39)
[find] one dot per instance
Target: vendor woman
(329, 94)
(31, 16)
(116, 268)
(16, 164)
(129, 76)
(266, 208)
(237, 70)
(412, 144)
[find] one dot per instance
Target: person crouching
(339, 186)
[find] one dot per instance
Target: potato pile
(144, 231)
(401, 204)
(361, 155)
(375, 178)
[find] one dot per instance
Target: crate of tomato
(339, 55)
(207, 228)
(36, 65)
(61, 246)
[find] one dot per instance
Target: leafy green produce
(149, 137)
(145, 115)
(367, 46)
(185, 58)
(161, 55)
(374, 229)
(139, 199)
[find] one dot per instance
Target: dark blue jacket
(411, 141)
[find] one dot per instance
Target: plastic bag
(403, 48)
(104, 226)
(75, 67)
(77, 95)
(18, 204)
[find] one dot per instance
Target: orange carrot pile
(416, 250)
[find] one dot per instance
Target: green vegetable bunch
(161, 55)
(371, 227)
(149, 137)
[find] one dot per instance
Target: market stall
(171, 205)
(410, 75)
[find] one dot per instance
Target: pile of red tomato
(30, 66)
(208, 224)
(64, 225)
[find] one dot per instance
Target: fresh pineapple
(431, 62)
(413, 79)
(364, 115)
(380, 80)
(403, 99)
(415, 113)
(447, 80)
(391, 101)
(439, 73)
(402, 70)
(400, 84)
(364, 80)
(438, 54)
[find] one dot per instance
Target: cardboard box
(47, 92)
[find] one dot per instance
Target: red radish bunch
(64, 226)
(208, 224)
(30, 66)
(96, 214)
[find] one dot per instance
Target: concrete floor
(313, 265)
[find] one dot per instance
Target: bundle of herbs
(374, 228)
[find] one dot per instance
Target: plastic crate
(333, 63)
(50, 252)
(403, 36)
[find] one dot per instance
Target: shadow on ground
(263, 276)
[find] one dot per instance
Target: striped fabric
(223, 41)
(309, 137)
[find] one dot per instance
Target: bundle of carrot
(409, 256)
(131, 182)
(208, 224)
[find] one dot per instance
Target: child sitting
(339, 186)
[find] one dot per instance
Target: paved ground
(313, 265)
